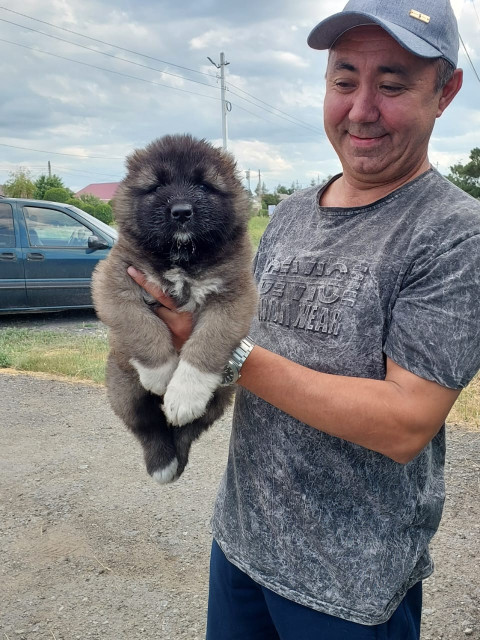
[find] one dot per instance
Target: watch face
(228, 375)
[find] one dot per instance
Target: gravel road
(92, 548)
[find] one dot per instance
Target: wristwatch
(231, 371)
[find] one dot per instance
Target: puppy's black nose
(182, 212)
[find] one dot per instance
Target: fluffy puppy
(182, 218)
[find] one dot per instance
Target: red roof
(103, 190)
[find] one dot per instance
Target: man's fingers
(180, 324)
(150, 288)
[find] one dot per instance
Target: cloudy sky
(84, 83)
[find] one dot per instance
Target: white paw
(188, 393)
(167, 474)
(155, 379)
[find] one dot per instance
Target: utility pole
(247, 175)
(49, 169)
(258, 190)
(226, 105)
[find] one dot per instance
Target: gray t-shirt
(316, 519)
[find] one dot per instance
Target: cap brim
(324, 35)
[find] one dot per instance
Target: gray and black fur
(182, 217)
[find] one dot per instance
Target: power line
(58, 153)
(300, 124)
(87, 173)
(125, 75)
(475, 9)
(297, 120)
(109, 44)
(237, 106)
(117, 73)
(470, 60)
(229, 84)
(104, 53)
(40, 170)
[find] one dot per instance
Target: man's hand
(180, 323)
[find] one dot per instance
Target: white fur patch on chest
(199, 288)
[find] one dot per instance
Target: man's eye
(344, 85)
(390, 88)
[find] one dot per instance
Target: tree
(57, 194)
(467, 176)
(284, 190)
(94, 206)
(43, 183)
(89, 198)
(19, 184)
(270, 198)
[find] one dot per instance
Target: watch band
(231, 371)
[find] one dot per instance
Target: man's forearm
(393, 416)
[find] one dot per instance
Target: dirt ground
(93, 548)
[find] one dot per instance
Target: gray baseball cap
(426, 28)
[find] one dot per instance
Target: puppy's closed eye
(151, 189)
(207, 188)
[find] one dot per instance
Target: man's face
(380, 106)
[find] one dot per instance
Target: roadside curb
(55, 378)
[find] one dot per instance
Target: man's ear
(449, 91)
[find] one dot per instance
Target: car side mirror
(94, 243)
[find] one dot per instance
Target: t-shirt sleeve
(435, 322)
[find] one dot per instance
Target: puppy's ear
(135, 159)
(140, 173)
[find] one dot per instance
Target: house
(103, 190)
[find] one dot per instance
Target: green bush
(57, 194)
(104, 213)
(76, 202)
(89, 208)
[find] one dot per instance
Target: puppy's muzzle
(181, 212)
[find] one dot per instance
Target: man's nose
(364, 106)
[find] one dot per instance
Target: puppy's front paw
(155, 379)
(188, 394)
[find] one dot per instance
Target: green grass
(57, 353)
(256, 227)
(467, 407)
(83, 357)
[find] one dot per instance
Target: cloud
(275, 82)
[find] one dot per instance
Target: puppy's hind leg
(141, 411)
(186, 435)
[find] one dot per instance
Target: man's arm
(397, 416)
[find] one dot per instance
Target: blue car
(48, 251)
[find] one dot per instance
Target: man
(366, 332)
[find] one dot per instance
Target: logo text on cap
(419, 16)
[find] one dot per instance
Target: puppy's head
(181, 200)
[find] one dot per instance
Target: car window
(52, 228)
(106, 228)
(7, 234)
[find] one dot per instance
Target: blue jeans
(241, 609)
